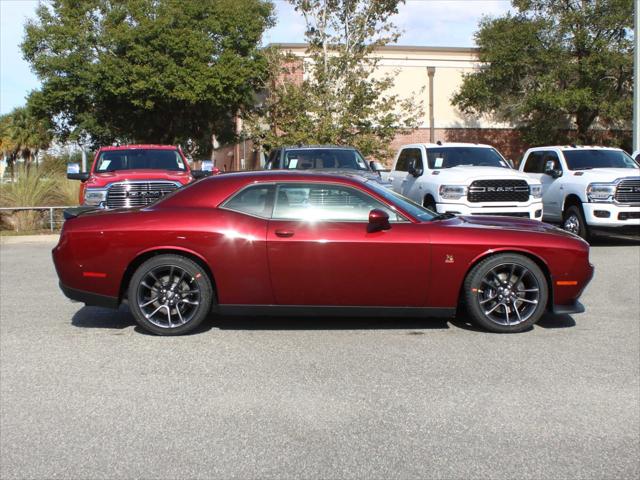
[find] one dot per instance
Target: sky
(444, 23)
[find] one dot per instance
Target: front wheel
(170, 295)
(573, 221)
(506, 293)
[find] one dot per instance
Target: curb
(18, 239)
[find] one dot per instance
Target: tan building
(432, 75)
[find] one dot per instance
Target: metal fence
(54, 217)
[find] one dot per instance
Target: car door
(411, 185)
(535, 167)
(321, 253)
(552, 188)
(400, 170)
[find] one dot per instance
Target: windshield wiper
(443, 216)
(583, 168)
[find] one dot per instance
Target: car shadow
(326, 323)
(613, 240)
(96, 317)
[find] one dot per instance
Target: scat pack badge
(448, 258)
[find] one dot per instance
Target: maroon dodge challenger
(311, 243)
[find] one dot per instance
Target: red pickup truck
(133, 175)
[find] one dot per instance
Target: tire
(573, 221)
(430, 204)
(170, 295)
(506, 293)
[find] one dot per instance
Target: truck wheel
(430, 204)
(170, 295)
(506, 293)
(573, 221)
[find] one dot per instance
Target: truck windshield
(588, 159)
(307, 158)
(468, 156)
(140, 158)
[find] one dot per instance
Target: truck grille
(498, 191)
(628, 191)
(137, 194)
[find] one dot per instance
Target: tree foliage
(553, 66)
(23, 135)
(339, 100)
(159, 71)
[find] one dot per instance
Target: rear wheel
(170, 295)
(573, 221)
(506, 293)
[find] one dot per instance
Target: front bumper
(532, 210)
(610, 215)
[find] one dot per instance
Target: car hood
(605, 174)
(467, 174)
(507, 223)
(98, 180)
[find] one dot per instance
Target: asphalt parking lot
(86, 394)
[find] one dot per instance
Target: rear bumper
(88, 298)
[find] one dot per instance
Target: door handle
(284, 233)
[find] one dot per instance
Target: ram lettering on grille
(498, 191)
(137, 194)
(628, 191)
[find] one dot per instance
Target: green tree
(158, 71)
(339, 100)
(23, 135)
(553, 66)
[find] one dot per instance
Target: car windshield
(448, 157)
(412, 208)
(321, 158)
(588, 159)
(140, 158)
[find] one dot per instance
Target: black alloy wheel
(170, 295)
(506, 293)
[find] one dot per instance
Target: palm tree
(23, 135)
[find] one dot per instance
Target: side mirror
(74, 173)
(416, 172)
(378, 221)
(376, 166)
(549, 170)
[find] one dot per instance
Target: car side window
(406, 157)
(326, 202)
(255, 200)
(534, 163)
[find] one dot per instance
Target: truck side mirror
(74, 173)
(550, 170)
(416, 172)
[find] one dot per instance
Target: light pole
(636, 74)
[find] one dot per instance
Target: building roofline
(392, 48)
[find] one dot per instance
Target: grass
(35, 187)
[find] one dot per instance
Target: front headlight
(453, 192)
(601, 192)
(94, 196)
(536, 191)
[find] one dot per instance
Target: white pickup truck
(465, 179)
(587, 188)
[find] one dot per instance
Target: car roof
(275, 175)
(574, 147)
(303, 147)
(139, 146)
(448, 145)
